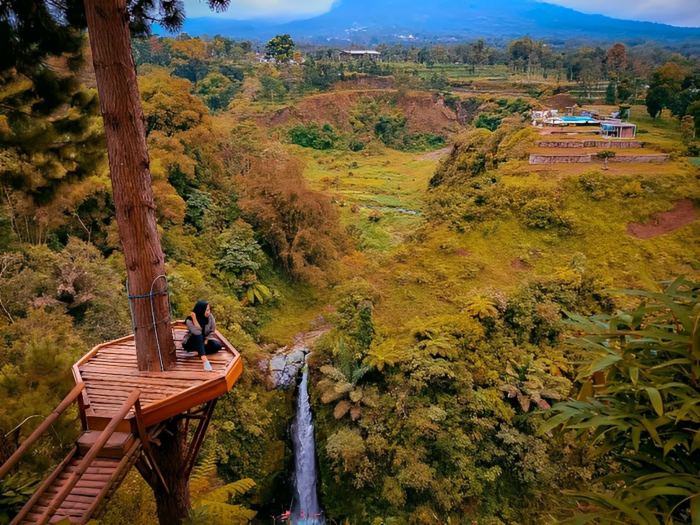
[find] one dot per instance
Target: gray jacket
(194, 329)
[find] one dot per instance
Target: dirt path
(682, 213)
(436, 155)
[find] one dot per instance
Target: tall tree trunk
(115, 72)
(174, 505)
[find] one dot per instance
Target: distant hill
(373, 21)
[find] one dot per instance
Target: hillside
(365, 21)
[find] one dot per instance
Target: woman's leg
(195, 344)
(212, 346)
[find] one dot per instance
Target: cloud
(246, 9)
(675, 12)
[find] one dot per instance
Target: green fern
(440, 346)
(213, 503)
(258, 293)
(219, 514)
(384, 354)
(229, 491)
(336, 387)
(203, 474)
(481, 308)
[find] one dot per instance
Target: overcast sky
(675, 12)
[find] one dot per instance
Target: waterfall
(306, 509)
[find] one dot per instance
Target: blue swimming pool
(579, 119)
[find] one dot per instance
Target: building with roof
(351, 54)
(616, 128)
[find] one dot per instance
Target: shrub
(541, 213)
(356, 145)
(490, 122)
(390, 129)
(423, 141)
(198, 205)
(594, 184)
(238, 253)
(644, 363)
(375, 216)
(632, 189)
(519, 106)
(313, 136)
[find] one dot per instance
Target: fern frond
(203, 474)
(333, 373)
(217, 513)
(384, 354)
(228, 491)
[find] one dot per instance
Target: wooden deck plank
(130, 353)
(103, 376)
(153, 376)
(100, 470)
(181, 380)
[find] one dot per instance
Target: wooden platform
(110, 373)
(120, 409)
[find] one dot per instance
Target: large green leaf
(655, 399)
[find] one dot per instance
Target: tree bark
(115, 72)
(172, 506)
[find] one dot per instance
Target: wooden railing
(27, 443)
(89, 457)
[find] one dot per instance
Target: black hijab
(199, 310)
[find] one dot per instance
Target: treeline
(676, 87)
(218, 67)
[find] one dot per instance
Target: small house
(354, 54)
(618, 129)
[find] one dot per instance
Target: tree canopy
(281, 48)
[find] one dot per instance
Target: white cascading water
(306, 509)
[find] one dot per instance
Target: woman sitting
(200, 337)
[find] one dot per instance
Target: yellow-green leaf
(655, 399)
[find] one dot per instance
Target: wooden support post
(198, 439)
(82, 412)
(146, 443)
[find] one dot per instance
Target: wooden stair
(122, 412)
(94, 487)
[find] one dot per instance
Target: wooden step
(98, 482)
(116, 446)
(77, 505)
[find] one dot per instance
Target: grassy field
(379, 194)
(452, 71)
(421, 268)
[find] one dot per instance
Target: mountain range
(374, 21)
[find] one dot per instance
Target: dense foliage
(639, 406)
(430, 421)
